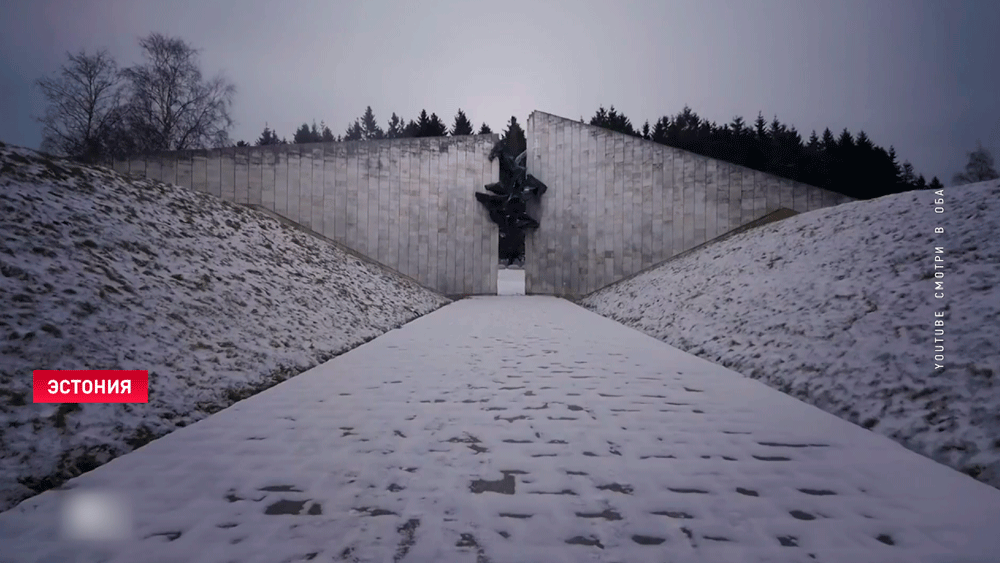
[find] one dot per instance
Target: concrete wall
(617, 204)
(406, 203)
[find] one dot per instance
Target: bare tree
(84, 106)
(979, 168)
(170, 105)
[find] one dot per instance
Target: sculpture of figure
(507, 202)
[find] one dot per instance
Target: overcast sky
(921, 75)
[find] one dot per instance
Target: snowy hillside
(837, 307)
(98, 271)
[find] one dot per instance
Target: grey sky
(920, 75)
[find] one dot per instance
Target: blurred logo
(96, 516)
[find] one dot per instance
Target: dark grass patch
(169, 536)
(376, 511)
(788, 541)
(408, 532)
(617, 488)
(510, 418)
(784, 445)
(281, 489)
(607, 514)
(817, 492)
(285, 507)
(590, 542)
(647, 540)
(562, 492)
(504, 486)
(59, 418)
(14, 398)
(676, 514)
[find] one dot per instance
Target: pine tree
(613, 120)
(436, 127)
(395, 128)
(485, 129)
(514, 137)
(354, 132)
(777, 129)
(863, 142)
(411, 129)
(302, 135)
(619, 122)
(909, 179)
(242, 144)
(788, 150)
(370, 129)
(462, 125)
(894, 161)
(659, 133)
(600, 118)
(314, 134)
(645, 131)
(935, 184)
(738, 127)
(268, 137)
(978, 169)
(813, 141)
(845, 141)
(828, 142)
(423, 124)
(760, 127)
(327, 134)
(896, 169)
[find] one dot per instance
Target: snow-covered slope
(98, 271)
(837, 307)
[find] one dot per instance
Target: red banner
(91, 386)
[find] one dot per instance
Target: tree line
(367, 128)
(851, 165)
(96, 111)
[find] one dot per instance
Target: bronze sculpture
(507, 201)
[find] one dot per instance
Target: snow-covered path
(520, 429)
